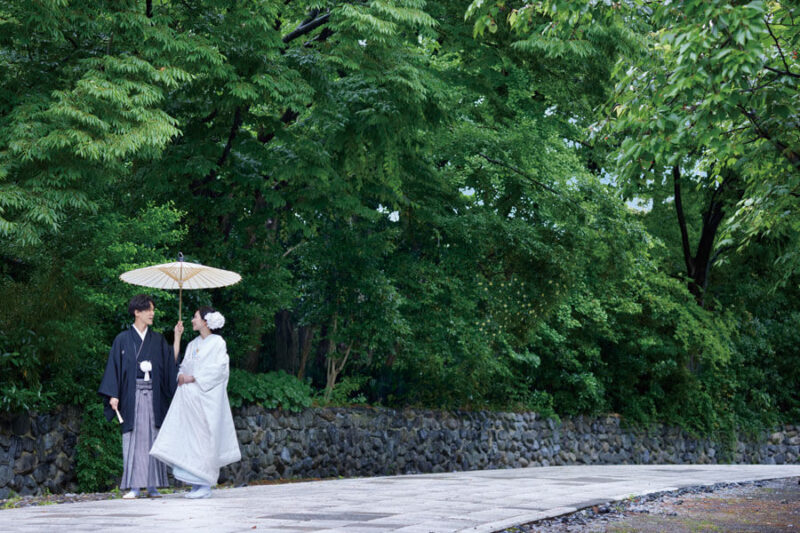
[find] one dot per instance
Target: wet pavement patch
(680, 470)
(584, 480)
(343, 517)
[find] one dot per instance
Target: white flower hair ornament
(215, 320)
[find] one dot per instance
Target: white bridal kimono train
(198, 435)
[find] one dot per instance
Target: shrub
(99, 453)
(270, 390)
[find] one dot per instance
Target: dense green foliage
(98, 457)
(697, 122)
(430, 203)
(272, 390)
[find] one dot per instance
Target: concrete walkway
(475, 502)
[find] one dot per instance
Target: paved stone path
(475, 502)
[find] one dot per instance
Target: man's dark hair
(140, 302)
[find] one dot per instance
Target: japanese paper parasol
(180, 275)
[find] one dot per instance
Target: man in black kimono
(139, 383)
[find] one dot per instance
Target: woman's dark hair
(140, 302)
(205, 310)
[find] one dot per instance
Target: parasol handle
(180, 288)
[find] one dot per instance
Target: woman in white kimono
(197, 437)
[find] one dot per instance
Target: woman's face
(197, 321)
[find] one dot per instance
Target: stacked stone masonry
(37, 451)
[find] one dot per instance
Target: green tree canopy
(425, 209)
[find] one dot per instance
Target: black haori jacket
(119, 379)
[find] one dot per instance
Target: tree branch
(288, 116)
(687, 253)
(791, 155)
(782, 72)
(237, 123)
(321, 37)
(778, 44)
(210, 117)
(71, 40)
(306, 27)
(293, 248)
(522, 173)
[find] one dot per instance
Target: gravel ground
(759, 506)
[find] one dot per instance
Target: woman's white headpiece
(215, 320)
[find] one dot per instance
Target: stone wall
(37, 451)
(367, 442)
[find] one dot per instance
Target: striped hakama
(138, 468)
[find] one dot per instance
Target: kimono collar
(141, 335)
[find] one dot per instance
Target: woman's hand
(176, 345)
(183, 380)
(114, 403)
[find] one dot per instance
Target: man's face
(146, 316)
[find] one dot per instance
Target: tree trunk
(306, 338)
(287, 356)
(334, 367)
(251, 360)
(699, 265)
